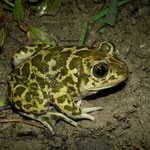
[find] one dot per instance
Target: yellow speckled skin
(48, 83)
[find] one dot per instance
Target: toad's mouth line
(104, 87)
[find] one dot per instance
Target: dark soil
(124, 124)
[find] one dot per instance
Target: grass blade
(18, 11)
(83, 33)
(103, 12)
(101, 25)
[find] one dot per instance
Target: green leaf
(33, 1)
(2, 17)
(112, 13)
(2, 103)
(2, 37)
(18, 11)
(2, 22)
(49, 7)
(40, 37)
(103, 12)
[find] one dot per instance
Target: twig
(18, 120)
(3, 83)
(5, 107)
(5, 127)
(136, 146)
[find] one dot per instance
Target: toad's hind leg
(33, 104)
(50, 118)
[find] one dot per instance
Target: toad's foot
(91, 109)
(88, 110)
(50, 118)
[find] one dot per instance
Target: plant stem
(9, 3)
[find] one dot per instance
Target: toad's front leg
(66, 105)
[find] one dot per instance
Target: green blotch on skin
(45, 95)
(27, 106)
(35, 94)
(43, 67)
(48, 57)
(64, 71)
(39, 64)
(69, 101)
(71, 89)
(73, 110)
(34, 86)
(19, 91)
(73, 94)
(26, 70)
(83, 53)
(62, 58)
(36, 60)
(75, 63)
(30, 105)
(28, 97)
(68, 80)
(18, 103)
(32, 76)
(17, 71)
(62, 99)
(76, 113)
(40, 81)
(69, 108)
(56, 87)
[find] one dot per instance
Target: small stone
(135, 104)
(126, 125)
(116, 116)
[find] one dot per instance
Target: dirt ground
(124, 124)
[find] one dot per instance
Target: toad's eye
(100, 70)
